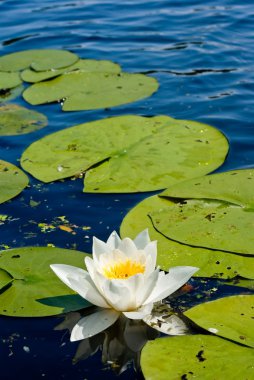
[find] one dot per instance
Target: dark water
(202, 53)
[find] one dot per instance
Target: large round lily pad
(196, 357)
(79, 90)
(39, 60)
(17, 120)
(229, 317)
(34, 290)
(9, 80)
(213, 225)
(131, 153)
(234, 186)
(12, 181)
(212, 263)
(85, 65)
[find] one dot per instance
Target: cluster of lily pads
(79, 84)
(200, 220)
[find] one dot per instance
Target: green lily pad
(9, 80)
(17, 120)
(212, 263)
(172, 150)
(85, 65)
(39, 60)
(229, 317)
(12, 181)
(235, 186)
(207, 224)
(10, 93)
(80, 90)
(35, 290)
(196, 357)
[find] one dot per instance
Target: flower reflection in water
(121, 343)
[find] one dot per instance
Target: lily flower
(121, 278)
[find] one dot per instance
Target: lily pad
(9, 80)
(10, 93)
(198, 357)
(12, 181)
(39, 60)
(35, 290)
(235, 186)
(17, 120)
(213, 225)
(80, 90)
(212, 263)
(229, 317)
(84, 65)
(131, 153)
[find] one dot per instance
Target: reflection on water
(120, 345)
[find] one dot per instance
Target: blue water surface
(202, 54)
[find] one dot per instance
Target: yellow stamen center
(123, 269)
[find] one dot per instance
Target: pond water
(202, 55)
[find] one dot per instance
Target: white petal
(128, 247)
(149, 284)
(142, 239)
(90, 266)
(121, 294)
(140, 313)
(86, 289)
(151, 256)
(151, 249)
(64, 271)
(80, 281)
(113, 240)
(93, 324)
(96, 276)
(169, 283)
(99, 247)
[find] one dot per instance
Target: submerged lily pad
(229, 317)
(212, 263)
(10, 93)
(12, 181)
(131, 153)
(198, 357)
(213, 225)
(17, 120)
(85, 65)
(39, 60)
(35, 291)
(81, 90)
(9, 80)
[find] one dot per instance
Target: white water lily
(121, 278)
